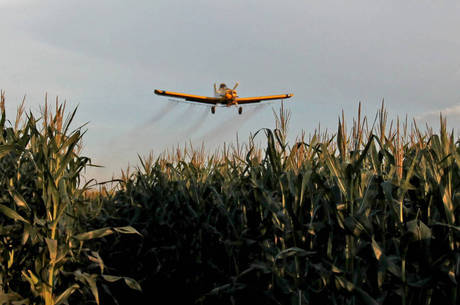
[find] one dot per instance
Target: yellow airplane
(224, 96)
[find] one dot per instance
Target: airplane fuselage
(228, 96)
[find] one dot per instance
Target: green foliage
(42, 257)
(366, 217)
(363, 218)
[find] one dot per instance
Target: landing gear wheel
(240, 110)
(213, 109)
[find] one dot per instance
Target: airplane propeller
(236, 85)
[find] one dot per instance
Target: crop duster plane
(224, 96)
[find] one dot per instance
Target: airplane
(223, 96)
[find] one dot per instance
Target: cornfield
(369, 216)
(43, 258)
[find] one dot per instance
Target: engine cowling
(230, 94)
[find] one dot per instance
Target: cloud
(451, 114)
(452, 111)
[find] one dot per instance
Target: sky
(107, 57)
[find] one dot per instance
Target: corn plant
(366, 217)
(42, 255)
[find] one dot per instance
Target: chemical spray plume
(231, 125)
(185, 115)
(196, 126)
(160, 115)
(166, 109)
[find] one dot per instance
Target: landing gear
(240, 110)
(213, 109)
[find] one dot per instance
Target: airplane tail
(215, 90)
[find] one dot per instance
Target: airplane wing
(258, 99)
(190, 97)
